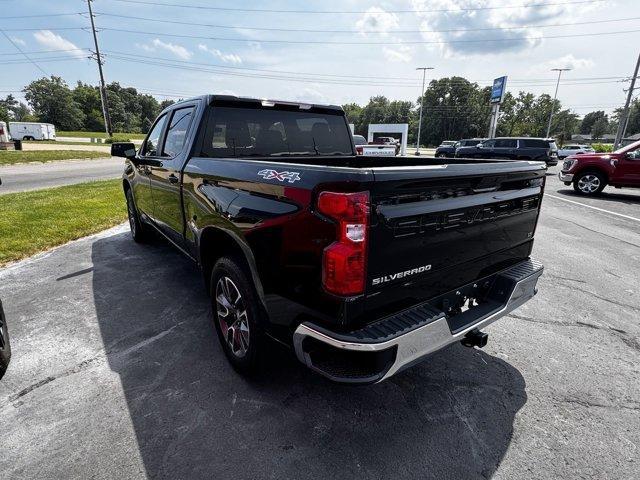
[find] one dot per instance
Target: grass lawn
(31, 222)
(139, 136)
(9, 157)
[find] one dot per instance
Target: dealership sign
(498, 89)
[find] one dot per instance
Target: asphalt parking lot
(117, 374)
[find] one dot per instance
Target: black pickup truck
(364, 265)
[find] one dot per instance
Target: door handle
(173, 178)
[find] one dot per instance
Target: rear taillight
(344, 261)
(359, 150)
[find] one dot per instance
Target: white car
(576, 149)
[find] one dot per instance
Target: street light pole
(555, 95)
(424, 72)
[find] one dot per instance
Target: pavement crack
(99, 358)
(34, 386)
(629, 340)
(600, 233)
(608, 300)
(550, 275)
(591, 404)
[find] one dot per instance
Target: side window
(489, 144)
(152, 142)
(506, 143)
(177, 131)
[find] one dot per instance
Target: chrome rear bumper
(405, 338)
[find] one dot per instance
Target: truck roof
(212, 98)
(33, 123)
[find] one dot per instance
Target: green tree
(454, 108)
(21, 113)
(165, 103)
(4, 113)
(149, 110)
(589, 119)
(633, 126)
(88, 98)
(354, 112)
(52, 102)
(599, 128)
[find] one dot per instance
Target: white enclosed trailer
(32, 131)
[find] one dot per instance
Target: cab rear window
(272, 132)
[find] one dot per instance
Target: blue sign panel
(498, 89)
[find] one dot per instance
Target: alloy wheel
(589, 183)
(232, 316)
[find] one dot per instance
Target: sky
(330, 51)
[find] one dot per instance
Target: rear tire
(237, 315)
(589, 183)
(138, 230)
(5, 345)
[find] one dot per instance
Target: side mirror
(123, 149)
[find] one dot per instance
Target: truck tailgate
(436, 227)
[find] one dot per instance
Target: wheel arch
(592, 169)
(215, 243)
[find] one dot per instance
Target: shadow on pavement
(194, 417)
(608, 195)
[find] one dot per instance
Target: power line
(410, 81)
(270, 10)
(307, 78)
(4, 17)
(342, 43)
(23, 53)
(306, 30)
(47, 51)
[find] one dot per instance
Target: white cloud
(400, 53)
(472, 32)
(19, 41)
(225, 57)
(310, 95)
(178, 50)
(567, 61)
(377, 19)
(51, 41)
(145, 47)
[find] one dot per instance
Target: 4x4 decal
(269, 174)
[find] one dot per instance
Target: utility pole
(555, 95)
(424, 72)
(103, 89)
(624, 118)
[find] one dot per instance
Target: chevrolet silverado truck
(591, 172)
(361, 267)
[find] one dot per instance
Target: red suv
(590, 173)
